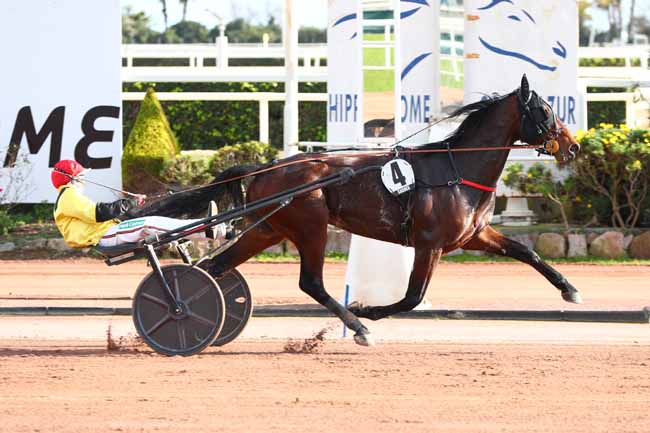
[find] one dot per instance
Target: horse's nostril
(574, 148)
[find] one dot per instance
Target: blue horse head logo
(524, 22)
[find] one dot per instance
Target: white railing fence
(313, 57)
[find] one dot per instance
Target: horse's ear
(524, 89)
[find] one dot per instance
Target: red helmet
(63, 170)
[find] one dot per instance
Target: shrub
(251, 152)
(540, 180)
(187, 169)
(7, 222)
(151, 143)
(615, 164)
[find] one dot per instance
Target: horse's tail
(194, 201)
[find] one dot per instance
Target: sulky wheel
(191, 330)
(239, 306)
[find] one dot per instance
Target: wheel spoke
(202, 291)
(229, 289)
(155, 300)
(158, 325)
(200, 319)
(233, 315)
(182, 341)
(177, 289)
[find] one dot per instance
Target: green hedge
(605, 112)
(212, 124)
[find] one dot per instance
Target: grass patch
(589, 260)
(464, 258)
(447, 80)
(283, 258)
(383, 81)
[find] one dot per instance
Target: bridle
(536, 124)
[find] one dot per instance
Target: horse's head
(540, 127)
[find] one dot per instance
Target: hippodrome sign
(416, 77)
(60, 95)
(506, 38)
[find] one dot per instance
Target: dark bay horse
(441, 214)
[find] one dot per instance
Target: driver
(84, 223)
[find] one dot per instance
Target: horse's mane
(476, 112)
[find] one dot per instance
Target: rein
(358, 153)
(361, 153)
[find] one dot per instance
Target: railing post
(630, 112)
(386, 49)
(264, 120)
(585, 105)
(222, 52)
(290, 40)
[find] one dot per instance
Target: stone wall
(599, 243)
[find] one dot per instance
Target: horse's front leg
(425, 262)
(492, 241)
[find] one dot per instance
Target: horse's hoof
(364, 340)
(572, 296)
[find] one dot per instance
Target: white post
(454, 63)
(397, 90)
(290, 41)
(582, 93)
(264, 120)
(387, 48)
(222, 48)
(630, 112)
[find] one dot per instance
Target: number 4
(398, 177)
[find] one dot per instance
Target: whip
(80, 179)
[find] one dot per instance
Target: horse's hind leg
(492, 241)
(425, 262)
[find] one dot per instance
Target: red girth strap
(477, 185)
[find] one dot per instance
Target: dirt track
(466, 377)
(255, 386)
(471, 285)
